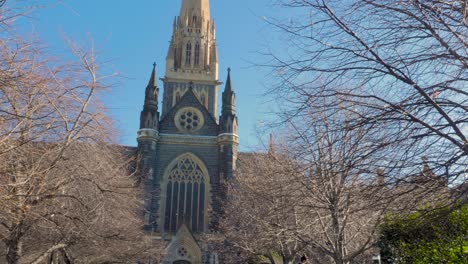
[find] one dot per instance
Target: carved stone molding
(148, 133)
(228, 138)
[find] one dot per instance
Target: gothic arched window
(203, 100)
(197, 53)
(177, 97)
(175, 58)
(234, 128)
(186, 194)
(188, 54)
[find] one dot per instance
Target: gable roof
(189, 99)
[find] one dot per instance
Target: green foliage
(440, 236)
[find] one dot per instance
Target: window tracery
(189, 119)
(185, 196)
(197, 53)
(188, 54)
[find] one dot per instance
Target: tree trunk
(271, 259)
(13, 247)
(285, 259)
(65, 256)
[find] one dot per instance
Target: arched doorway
(181, 262)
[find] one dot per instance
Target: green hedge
(440, 236)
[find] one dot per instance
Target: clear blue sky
(131, 35)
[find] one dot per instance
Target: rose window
(189, 119)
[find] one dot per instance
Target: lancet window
(175, 58)
(197, 53)
(188, 54)
(177, 97)
(203, 100)
(185, 196)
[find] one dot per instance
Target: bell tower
(192, 57)
(188, 152)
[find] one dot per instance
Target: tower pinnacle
(228, 120)
(149, 117)
(229, 95)
(228, 86)
(153, 81)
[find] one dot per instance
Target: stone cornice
(187, 139)
(225, 138)
(187, 80)
(148, 133)
(228, 138)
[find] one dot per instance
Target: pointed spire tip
(153, 81)
(228, 81)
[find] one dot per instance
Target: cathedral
(188, 150)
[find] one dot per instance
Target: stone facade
(187, 152)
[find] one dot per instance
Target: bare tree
(373, 95)
(261, 219)
(399, 66)
(323, 194)
(343, 198)
(67, 194)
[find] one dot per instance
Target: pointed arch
(179, 55)
(203, 99)
(229, 128)
(188, 53)
(197, 53)
(234, 126)
(185, 189)
(175, 58)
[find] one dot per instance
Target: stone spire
(193, 53)
(229, 97)
(228, 120)
(228, 87)
(227, 138)
(149, 116)
(153, 82)
(199, 8)
(152, 91)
